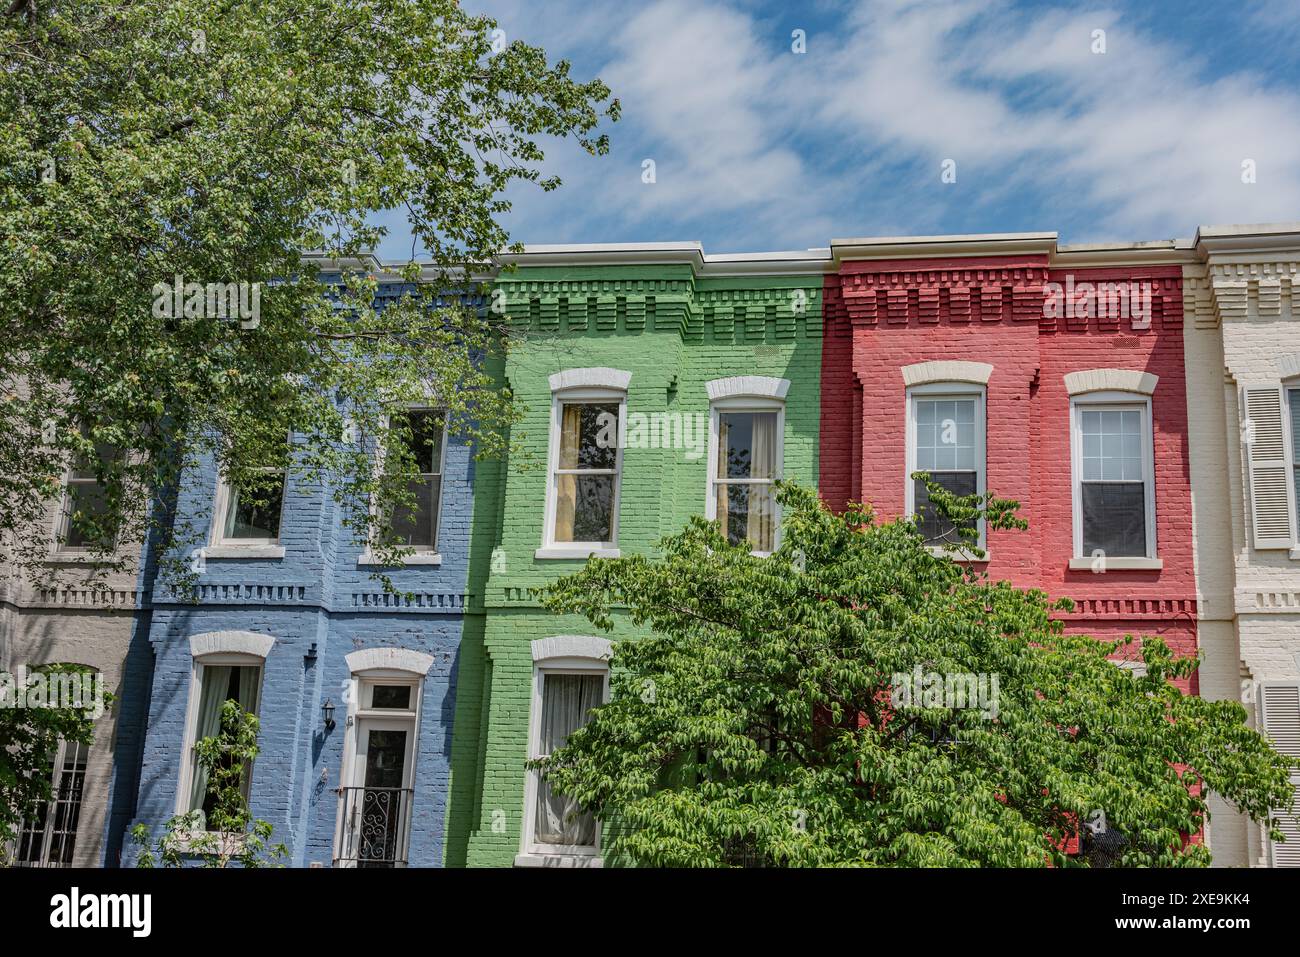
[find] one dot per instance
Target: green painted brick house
(657, 384)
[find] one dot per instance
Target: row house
(354, 687)
(657, 383)
(78, 610)
(1242, 296)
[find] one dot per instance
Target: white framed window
(570, 677)
(250, 517)
(377, 777)
(746, 458)
(588, 416)
(216, 678)
(85, 495)
(1293, 418)
(945, 438)
(48, 838)
(1113, 481)
(425, 431)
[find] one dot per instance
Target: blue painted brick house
(288, 620)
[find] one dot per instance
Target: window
(1293, 399)
(561, 705)
(49, 837)
(946, 440)
(1114, 494)
(251, 515)
(586, 461)
(86, 498)
(416, 525)
(218, 679)
(746, 447)
(570, 677)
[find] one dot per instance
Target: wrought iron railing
(374, 827)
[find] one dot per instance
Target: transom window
(585, 471)
(424, 433)
(1114, 498)
(746, 464)
(946, 425)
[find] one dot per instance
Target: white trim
(1110, 380)
(423, 554)
(579, 386)
(755, 386)
(243, 551)
(231, 643)
(596, 377)
(394, 659)
(926, 373)
(1290, 454)
(217, 534)
(958, 391)
(1127, 400)
(744, 402)
(571, 646)
(559, 654)
(1288, 367)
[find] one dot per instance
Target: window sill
(956, 555)
(244, 551)
(558, 860)
(416, 558)
(576, 551)
(79, 556)
(1117, 565)
(1295, 553)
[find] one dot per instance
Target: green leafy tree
(29, 736)
(216, 142)
(770, 717)
(229, 835)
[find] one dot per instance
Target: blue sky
(757, 147)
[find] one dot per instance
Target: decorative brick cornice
(1266, 601)
(444, 603)
(1244, 291)
(91, 599)
(1128, 609)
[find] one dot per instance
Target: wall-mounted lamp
(328, 710)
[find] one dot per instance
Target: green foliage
(761, 721)
(28, 738)
(229, 835)
(216, 142)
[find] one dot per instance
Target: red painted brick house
(1050, 375)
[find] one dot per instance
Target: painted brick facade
(1242, 299)
(884, 314)
(673, 327)
(319, 603)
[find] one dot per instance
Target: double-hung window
(48, 837)
(1293, 403)
(1114, 478)
(250, 515)
(945, 440)
(415, 525)
(85, 502)
(585, 462)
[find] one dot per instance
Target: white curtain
(566, 486)
(762, 506)
(212, 695)
(566, 700)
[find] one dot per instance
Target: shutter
(1279, 707)
(1270, 493)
